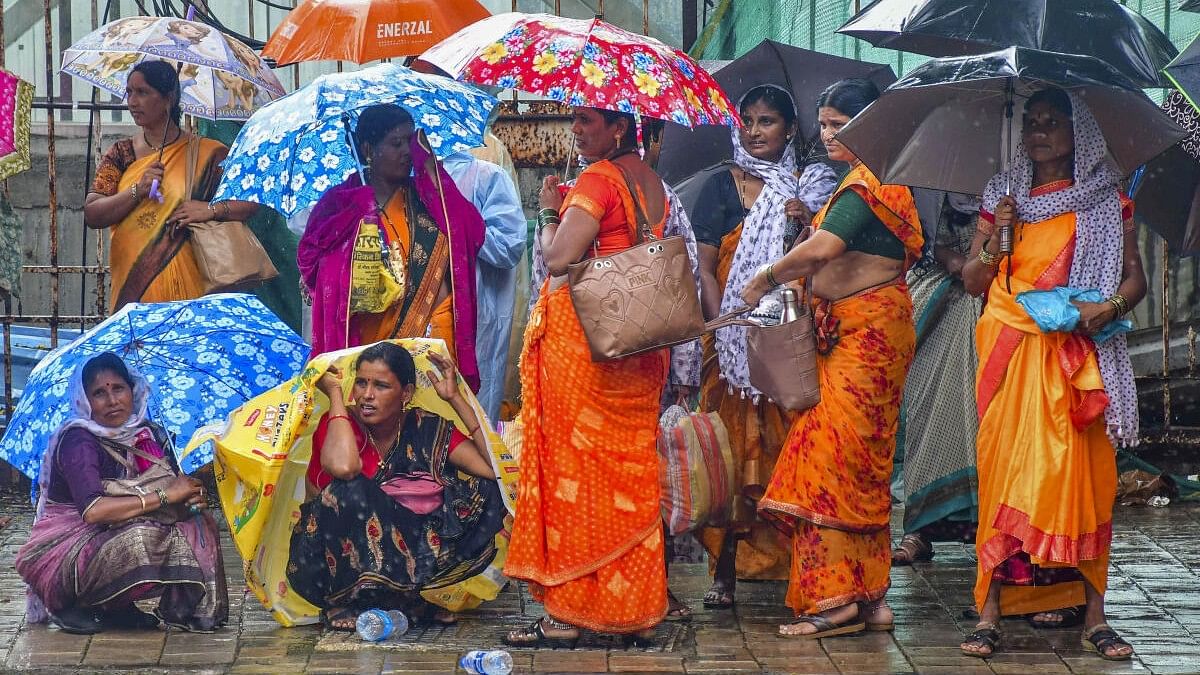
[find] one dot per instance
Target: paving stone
(646, 663)
(696, 666)
(570, 661)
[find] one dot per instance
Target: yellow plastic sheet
(262, 452)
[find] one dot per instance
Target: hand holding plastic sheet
(262, 452)
(1055, 311)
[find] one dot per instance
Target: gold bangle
(142, 499)
(769, 271)
(989, 259)
(1120, 303)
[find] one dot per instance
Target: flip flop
(534, 636)
(77, 621)
(825, 627)
(677, 610)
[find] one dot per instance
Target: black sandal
(912, 548)
(1100, 638)
(77, 621)
(640, 640)
(718, 597)
(1070, 617)
(331, 617)
(534, 635)
(985, 635)
(677, 610)
(824, 627)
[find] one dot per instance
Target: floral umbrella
(16, 102)
(220, 78)
(293, 150)
(584, 62)
(203, 358)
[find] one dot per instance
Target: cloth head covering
(1099, 243)
(763, 235)
(135, 429)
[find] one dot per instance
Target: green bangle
(162, 496)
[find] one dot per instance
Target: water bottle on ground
(481, 662)
(377, 624)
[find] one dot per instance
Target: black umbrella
(1102, 29)
(802, 72)
(1168, 194)
(1184, 71)
(949, 124)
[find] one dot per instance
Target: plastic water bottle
(480, 662)
(377, 624)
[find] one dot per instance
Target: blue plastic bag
(1053, 311)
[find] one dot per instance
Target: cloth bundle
(695, 469)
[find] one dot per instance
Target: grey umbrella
(802, 72)
(944, 125)
(1168, 192)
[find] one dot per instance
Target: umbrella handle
(1006, 233)
(353, 147)
(1135, 181)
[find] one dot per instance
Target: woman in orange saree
(829, 491)
(1051, 405)
(151, 257)
(587, 536)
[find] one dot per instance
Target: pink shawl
(324, 256)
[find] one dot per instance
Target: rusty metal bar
(1166, 333)
(52, 171)
(52, 319)
(43, 104)
(1191, 347)
(645, 17)
(67, 269)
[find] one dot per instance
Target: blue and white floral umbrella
(294, 149)
(203, 358)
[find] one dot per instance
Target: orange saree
(1047, 470)
(829, 490)
(587, 534)
(756, 433)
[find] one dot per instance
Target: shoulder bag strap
(643, 226)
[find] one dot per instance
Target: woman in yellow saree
(151, 257)
(1052, 405)
(829, 491)
(587, 535)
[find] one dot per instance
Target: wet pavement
(1154, 601)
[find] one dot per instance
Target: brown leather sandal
(912, 548)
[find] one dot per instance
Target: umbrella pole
(1006, 233)
(353, 147)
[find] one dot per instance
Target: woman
(1046, 487)
(90, 556)
(391, 514)
(941, 502)
(151, 258)
(432, 232)
(587, 535)
(829, 490)
(747, 216)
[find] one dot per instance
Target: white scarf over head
(1099, 244)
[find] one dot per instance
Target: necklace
(380, 449)
(399, 266)
(156, 148)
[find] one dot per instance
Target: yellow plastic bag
(374, 284)
(262, 453)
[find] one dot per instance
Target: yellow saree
(1047, 470)
(148, 262)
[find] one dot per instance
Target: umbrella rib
(186, 365)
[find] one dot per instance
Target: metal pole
(52, 171)
(1166, 333)
(8, 394)
(645, 17)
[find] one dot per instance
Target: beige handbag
(782, 358)
(156, 477)
(637, 300)
(230, 258)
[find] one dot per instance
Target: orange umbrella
(367, 30)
